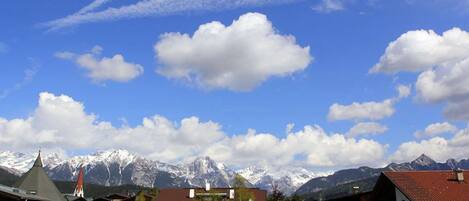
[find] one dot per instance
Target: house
(422, 186)
(15, 194)
(75, 198)
(193, 194)
(142, 196)
(36, 182)
(113, 197)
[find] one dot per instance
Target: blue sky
(345, 39)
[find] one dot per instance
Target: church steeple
(79, 188)
(38, 162)
(36, 182)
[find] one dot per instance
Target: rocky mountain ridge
(119, 167)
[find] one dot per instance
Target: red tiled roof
(431, 185)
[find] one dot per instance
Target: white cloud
(367, 110)
(61, 123)
(438, 148)
(361, 111)
(404, 91)
(444, 83)
(236, 57)
(443, 64)
(327, 6)
(104, 68)
(457, 110)
(145, 8)
(319, 148)
(436, 129)
(366, 128)
(417, 51)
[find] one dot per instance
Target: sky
(320, 84)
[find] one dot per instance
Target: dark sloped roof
(117, 196)
(8, 193)
(430, 185)
(37, 181)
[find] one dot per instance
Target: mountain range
(120, 167)
(341, 182)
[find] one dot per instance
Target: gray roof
(6, 191)
(36, 181)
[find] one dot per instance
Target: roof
(18, 194)
(37, 181)
(182, 194)
(117, 196)
(363, 196)
(430, 185)
(74, 198)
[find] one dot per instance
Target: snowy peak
(423, 160)
(205, 169)
(18, 161)
(204, 165)
(22, 162)
(253, 174)
(286, 179)
(120, 157)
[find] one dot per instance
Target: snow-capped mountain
(16, 161)
(287, 180)
(21, 163)
(117, 167)
(205, 169)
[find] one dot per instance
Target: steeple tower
(36, 182)
(79, 188)
(38, 161)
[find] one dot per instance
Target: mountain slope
(330, 183)
(6, 177)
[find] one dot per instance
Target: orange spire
(79, 188)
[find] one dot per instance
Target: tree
(149, 195)
(276, 195)
(295, 197)
(140, 196)
(241, 191)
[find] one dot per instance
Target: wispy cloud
(145, 8)
(328, 6)
(92, 6)
(29, 74)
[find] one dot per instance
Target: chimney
(191, 193)
(459, 175)
(232, 194)
(207, 186)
